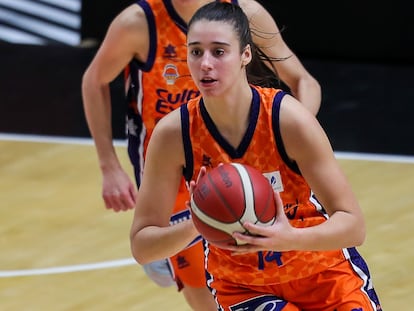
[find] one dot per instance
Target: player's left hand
(278, 237)
(192, 184)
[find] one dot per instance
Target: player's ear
(246, 55)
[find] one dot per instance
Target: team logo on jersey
(169, 51)
(170, 74)
(275, 180)
(182, 262)
(206, 161)
(291, 209)
(260, 303)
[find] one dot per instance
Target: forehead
(203, 30)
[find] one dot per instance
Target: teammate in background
(307, 259)
(149, 39)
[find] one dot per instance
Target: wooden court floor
(61, 250)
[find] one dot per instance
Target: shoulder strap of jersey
(276, 131)
(188, 154)
(149, 14)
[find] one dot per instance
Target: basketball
(227, 196)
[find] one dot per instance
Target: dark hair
(225, 12)
(257, 71)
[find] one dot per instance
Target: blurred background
(360, 51)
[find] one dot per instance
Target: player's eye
(218, 52)
(195, 52)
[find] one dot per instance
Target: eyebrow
(214, 42)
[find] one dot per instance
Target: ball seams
(249, 191)
(214, 187)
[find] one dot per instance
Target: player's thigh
(199, 298)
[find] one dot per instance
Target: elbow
(317, 91)
(359, 234)
(86, 80)
(136, 255)
(137, 251)
(91, 79)
(309, 92)
(316, 85)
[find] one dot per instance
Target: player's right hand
(118, 191)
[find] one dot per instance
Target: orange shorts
(188, 265)
(336, 289)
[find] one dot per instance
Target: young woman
(150, 36)
(307, 260)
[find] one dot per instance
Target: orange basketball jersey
(261, 147)
(162, 83)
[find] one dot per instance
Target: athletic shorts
(336, 289)
(188, 267)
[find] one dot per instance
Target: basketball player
(149, 39)
(307, 260)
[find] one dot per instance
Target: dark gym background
(360, 51)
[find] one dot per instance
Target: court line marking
(72, 268)
(123, 142)
(54, 139)
(378, 157)
(131, 261)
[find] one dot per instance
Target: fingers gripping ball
(227, 196)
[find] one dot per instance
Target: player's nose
(206, 61)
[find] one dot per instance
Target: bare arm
(291, 71)
(306, 143)
(151, 236)
(126, 38)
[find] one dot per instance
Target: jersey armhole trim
(152, 32)
(185, 132)
(276, 132)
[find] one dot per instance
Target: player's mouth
(207, 81)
